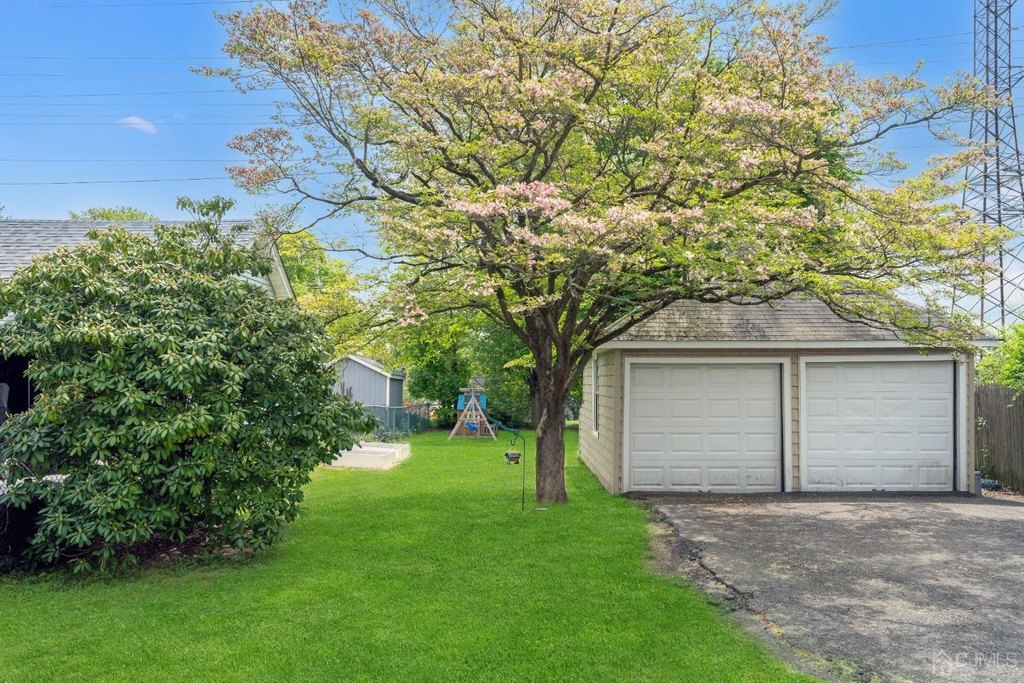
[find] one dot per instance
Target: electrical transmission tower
(995, 186)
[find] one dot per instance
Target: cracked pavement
(892, 587)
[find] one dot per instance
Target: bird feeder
(512, 457)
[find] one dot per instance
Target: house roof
(21, 240)
(789, 320)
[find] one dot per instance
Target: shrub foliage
(175, 397)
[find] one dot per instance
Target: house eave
(757, 344)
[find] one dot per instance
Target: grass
(425, 572)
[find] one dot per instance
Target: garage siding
(603, 453)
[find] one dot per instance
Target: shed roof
(376, 365)
(796, 319)
(21, 240)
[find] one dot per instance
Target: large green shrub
(175, 397)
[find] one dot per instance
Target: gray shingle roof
(20, 240)
(787, 320)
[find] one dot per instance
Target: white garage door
(704, 427)
(878, 426)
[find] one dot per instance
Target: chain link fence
(399, 421)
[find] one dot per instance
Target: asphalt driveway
(878, 588)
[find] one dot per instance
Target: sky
(96, 93)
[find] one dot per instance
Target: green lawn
(426, 572)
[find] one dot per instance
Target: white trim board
(751, 345)
(786, 409)
(959, 412)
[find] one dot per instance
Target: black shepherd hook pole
(516, 436)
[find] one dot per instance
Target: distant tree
(175, 398)
(1005, 364)
(501, 357)
(434, 353)
(112, 214)
(3, 214)
(325, 286)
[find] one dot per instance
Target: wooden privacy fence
(1000, 434)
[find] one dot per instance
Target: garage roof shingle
(786, 320)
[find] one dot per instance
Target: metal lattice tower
(995, 190)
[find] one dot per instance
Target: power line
(125, 74)
(116, 161)
(122, 104)
(902, 40)
(111, 182)
(133, 94)
(130, 124)
(111, 58)
(137, 180)
(176, 3)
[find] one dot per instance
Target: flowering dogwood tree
(570, 167)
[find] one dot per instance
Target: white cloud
(138, 123)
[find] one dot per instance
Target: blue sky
(73, 74)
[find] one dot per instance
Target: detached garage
(773, 398)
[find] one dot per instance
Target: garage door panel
(902, 444)
(896, 408)
(898, 476)
(938, 443)
(686, 407)
(723, 407)
(649, 477)
(685, 476)
(763, 376)
(934, 374)
(648, 378)
(823, 442)
(859, 408)
(686, 444)
(937, 475)
(720, 429)
(723, 476)
(821, 477)
(764, 443)
(646, 443)
(858, 475)
(892, 430)
(767, 409)
(677, 374)
(939, 408)
(855, 441)
(823, 407)
(727, 445)
(722, 375)
(763, 477)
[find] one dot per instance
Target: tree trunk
(536, 404)
(551, 448)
